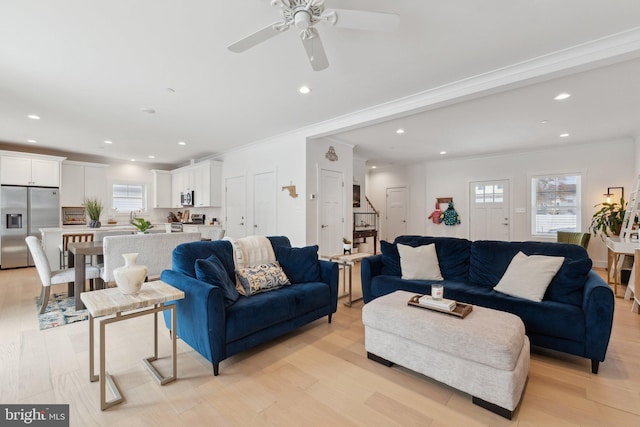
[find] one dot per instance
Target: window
(489, 193)
(128, 197)
(555, 204)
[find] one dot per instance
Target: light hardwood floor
(318, 375)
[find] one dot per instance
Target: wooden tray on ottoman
(461, 310)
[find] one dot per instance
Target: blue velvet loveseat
(575, 315)
(218, 328)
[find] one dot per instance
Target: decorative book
(461, 310)
(442, 303)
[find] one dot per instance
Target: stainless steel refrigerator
(24, 210)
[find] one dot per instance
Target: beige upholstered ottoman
(485, 354)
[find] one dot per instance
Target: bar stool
(72, 237)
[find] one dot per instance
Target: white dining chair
(49, 277)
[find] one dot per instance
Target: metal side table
(105, 302)
(347, 262)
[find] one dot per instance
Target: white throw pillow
(419, 263)
(529, 276)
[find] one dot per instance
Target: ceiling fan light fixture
(302, 19)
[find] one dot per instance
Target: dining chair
(49, 277)
(71, 237)
(577, 238)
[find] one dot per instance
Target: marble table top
(110, 301)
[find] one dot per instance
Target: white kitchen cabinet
(203, 178)
(162, 189)
(207, 178)
(34, 171)
(81, 181)
(176, 188)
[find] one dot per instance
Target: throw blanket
(251, 251)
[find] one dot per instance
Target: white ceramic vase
(130, 277)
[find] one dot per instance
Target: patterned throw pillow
(261, 278)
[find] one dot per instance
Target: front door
(331, 202)
(489, 214)
(396, 212)
(235, 205)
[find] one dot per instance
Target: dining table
(78, 252)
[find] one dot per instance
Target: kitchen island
(52, 236)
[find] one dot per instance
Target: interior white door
(396, 212)
(235, 205)
(489, 214)
(331, 202)
(264, 204)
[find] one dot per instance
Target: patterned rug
(60, 311)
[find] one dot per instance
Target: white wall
(317, 160)
(413, 178)
(287, 157)
(604, 164)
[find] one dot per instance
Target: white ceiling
(87, 68)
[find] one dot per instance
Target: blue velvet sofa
(575, 315)
(217, 329)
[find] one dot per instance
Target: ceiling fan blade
(258, 37)
(365, 20)
(315, 52)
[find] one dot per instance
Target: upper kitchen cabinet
(177, 187)
(30, 170)
(162, 189)
(207, 184)
(81, 181)
(203, 178)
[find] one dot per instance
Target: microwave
(186, 198)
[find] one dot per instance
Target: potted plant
(608, 219)
(94, 210)
(142, 225)
(346, 245)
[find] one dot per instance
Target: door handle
(242, 223)
(323, 226)
(255, 225)
(404, 220)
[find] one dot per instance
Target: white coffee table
(112, 301)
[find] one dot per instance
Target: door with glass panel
(489, 217)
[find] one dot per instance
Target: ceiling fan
(305, 14)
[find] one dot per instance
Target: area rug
(60, 311)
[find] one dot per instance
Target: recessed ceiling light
(400, 131)
(564, 135)
(304, 90)
(561, 96)
(544, 122)
(108, 142)
(182, 143)
(33, 117)
(373, 167)
(148, 110)
(33, 141)
(443, 152)
(152, 156)
(133, 160)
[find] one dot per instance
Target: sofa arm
(370, 268)
(200, 315)
(598, 305)
(329, 275)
